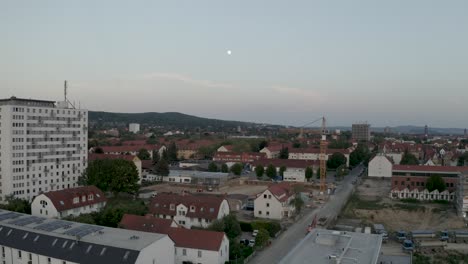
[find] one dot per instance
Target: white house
(189, 210)
(275, 202)
(380, 166)
(134, 127)
(314, 153)
(295, 169)
(191, 245)
(68, 202)
(27, 239)
(272, 152)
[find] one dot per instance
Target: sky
(388, 63)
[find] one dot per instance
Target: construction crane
(323, 152)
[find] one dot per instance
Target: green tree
(156, 156)
(212, 167)
(463, 159)
(224, 168)
(336, 160)
(435, 182)
(360, 154)
(143, 154)
(16, 205)
(409, 159)
(228, 225)
(296, 144)
(259, 171)
(172, 152)
(318, 174)
(298, 203)
(284, 153)
(162, 168)
(309, 173)
(115, 176)
(271, 171)
(262, 238)
(282, 169)
(237, 169)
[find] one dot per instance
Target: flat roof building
(361, 132)
(327, 246)
(32, 239)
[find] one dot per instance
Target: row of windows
(18, 132)
(46, 189)
(184, 252)
(17, 140)
(18, 117)
(18, 124)
(20, 256)
(17, 162)
(15, 170)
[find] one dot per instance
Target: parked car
(255, 233)
(244, 242)
(252, 243)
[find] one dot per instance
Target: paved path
(296, 232)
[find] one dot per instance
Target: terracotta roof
(94, 156)
(147, 164)
(429, 168)
(206, 206)
(63, 199)
(288, 163)
(134, 143)
(184, 238)
(129, 148)
(317, 150)
(282, 191)
(146, 223)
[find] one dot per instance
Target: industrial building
(43, 146)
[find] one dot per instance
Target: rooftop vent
(134, 237)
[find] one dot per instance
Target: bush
(246, 227)
(441, 201)
(271, 227)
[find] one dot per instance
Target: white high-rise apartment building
(43, 146)
(134, 127)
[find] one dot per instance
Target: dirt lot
(371, 204)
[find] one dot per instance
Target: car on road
(255, 233)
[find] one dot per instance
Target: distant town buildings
(134, 127)
(43, 146)
(69, 202)
(361, 132)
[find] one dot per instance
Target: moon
(228, 52)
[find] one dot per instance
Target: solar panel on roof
(51, 226)
(9, 215)
(83, 230)
(27, 220)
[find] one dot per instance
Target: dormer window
(83, 198)
(90, 197)
(76, 200)
(192, 208)
(172, 207)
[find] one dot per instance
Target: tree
(17, 205)
(336, 160)
(228, 225)
(262, 238)
(143, 154)
(463, 159)
(284, 153)
(259, 171)
(296, 144)
(162, 168)
(212, 167)
(271, 171)
(282, 169)
(297, 202)
(113, 175)
(237, 169)
(318, 173)
(360, 154)
(409, 159)
(435, 182)
(98, 150)
(172, 152)
(224, 168)
(156, 156)
(309, 173)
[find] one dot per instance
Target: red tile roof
(184, 238)
(63, 199)
(132, 148)
(317, 150)
(94, 156)
(146, 164)
(429, 168)
(282, 191)
(134, 143)
(206, 206)
(288, 163)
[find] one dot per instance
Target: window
(199, 254)
(267, 205)
(184, 252)
(267, 213)
(269, 196)
(48, 261)
(264, 196)
(259, 212)
(19, 254)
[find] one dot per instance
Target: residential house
(132, 149)
(275, 202)
(238, 157)
(272, 152)
(295, 169)
(314, 153)
(225, 148)
(188, 210)
(380, 166)
(191, 245)
(68, 202)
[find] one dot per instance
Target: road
(296, 232)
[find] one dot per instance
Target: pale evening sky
(386, 62)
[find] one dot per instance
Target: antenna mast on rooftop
(65, 87)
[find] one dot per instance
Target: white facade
(267, 206)
(295, 154)
(380, 166)
(177, 179)
(158, 252)
(134, 128)
(182, 219)
(14, 256)
(294, 175)
(203, 256)
(43, 147)
(43, 206)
